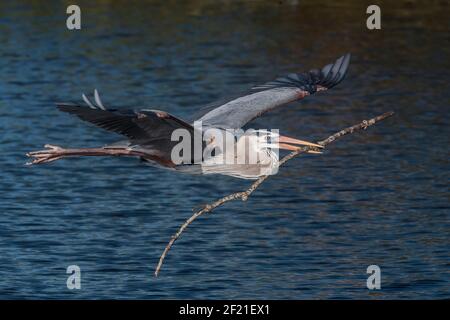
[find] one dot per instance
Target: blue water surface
(376, 197)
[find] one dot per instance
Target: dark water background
(377, 197)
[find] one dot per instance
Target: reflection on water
(379, 197)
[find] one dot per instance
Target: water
(377, 197)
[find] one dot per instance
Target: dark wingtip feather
(65, 104)
(328, 77)
(71, 108)
(334, 73)
(66, 107)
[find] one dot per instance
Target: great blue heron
(150, 132)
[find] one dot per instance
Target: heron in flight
(150, 133)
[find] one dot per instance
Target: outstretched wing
(144, 127)
(149, 130)
(237, 112)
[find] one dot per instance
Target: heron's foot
(51, 153)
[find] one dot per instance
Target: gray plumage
(149, 131)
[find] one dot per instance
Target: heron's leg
(53, 153)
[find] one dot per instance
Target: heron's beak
(283, 142)
(285, 146)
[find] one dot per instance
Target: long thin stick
(243, 195)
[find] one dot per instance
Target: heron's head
(272, 140)
(259, 140)
(255, 154)
(267, 140)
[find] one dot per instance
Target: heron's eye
(267, 138)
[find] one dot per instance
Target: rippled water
(377, 197)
